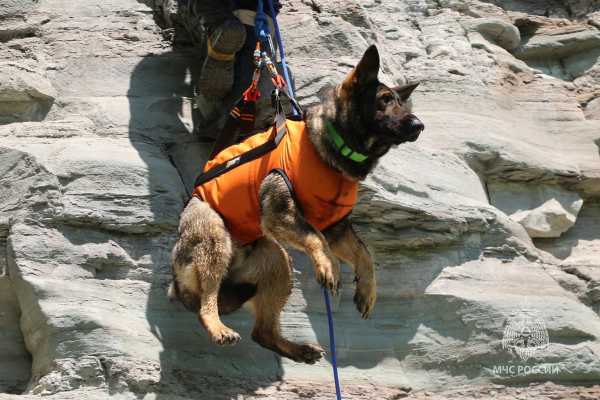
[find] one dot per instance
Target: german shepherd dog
(213, 275)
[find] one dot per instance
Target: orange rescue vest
(324, 195)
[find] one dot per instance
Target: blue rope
(261, 22)
(286, 74)
(288, 81)
(338, 392)
(261, 26)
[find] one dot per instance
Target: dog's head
(379, 116)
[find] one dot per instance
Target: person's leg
(212, 25)
(203, 17)
(224, 40)
(222, 82)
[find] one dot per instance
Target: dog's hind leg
(200, 261)
(269, 267)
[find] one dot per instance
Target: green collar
(339, 143)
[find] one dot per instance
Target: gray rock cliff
(488, 224)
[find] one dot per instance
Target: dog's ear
(405, 91)
(366, 71)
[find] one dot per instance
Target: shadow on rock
(189, 364)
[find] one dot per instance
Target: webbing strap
(240, 119)
(279, 131)
(296, 110)
(244, 110)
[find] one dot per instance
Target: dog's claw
(364, 298)
(333, 288)
(308, 353)
(328, 274)
(328, 281)
(226, 337)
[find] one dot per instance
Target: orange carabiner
(278, 81)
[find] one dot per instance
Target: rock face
(543, 210)
(488, 222)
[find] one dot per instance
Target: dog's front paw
(224, 336)
(328, 274)
(307, 353)
(365, 296)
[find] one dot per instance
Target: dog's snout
(415, 125)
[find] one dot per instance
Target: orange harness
(324, 195)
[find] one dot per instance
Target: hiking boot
(223, 42)
(208, 114)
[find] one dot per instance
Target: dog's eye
(387, 98)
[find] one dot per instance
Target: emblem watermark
(524, 336)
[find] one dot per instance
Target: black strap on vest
(240, 120)
(288, 183)
(278, 132)
(286, 179)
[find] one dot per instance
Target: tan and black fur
(213, 275)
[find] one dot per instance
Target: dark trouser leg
(212, 25)
(202, 17)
